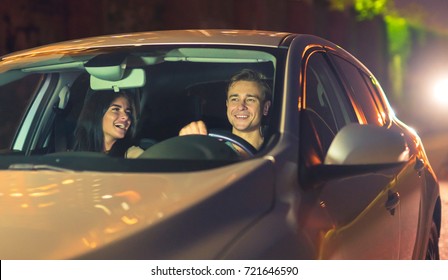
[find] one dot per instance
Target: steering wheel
(234, 139)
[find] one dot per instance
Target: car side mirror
(357, 144)
(358, 149)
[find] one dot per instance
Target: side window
(378, 95)
(325, 96)
(14, 100)
(326, 109)
(361, 93)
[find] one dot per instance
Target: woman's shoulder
(134, 152)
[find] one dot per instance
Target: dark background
(407, 57)
(405, 60)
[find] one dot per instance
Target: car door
(346, 215)
(409, 183)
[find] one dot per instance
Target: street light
(441, 91)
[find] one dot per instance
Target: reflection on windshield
(170, 88)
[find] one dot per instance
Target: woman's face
(116, 121)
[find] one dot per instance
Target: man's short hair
(252, 76)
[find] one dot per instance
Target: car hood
(60, 215)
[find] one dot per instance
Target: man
(248, 101)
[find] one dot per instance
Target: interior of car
(171, 87)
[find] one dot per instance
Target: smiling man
(248, 100)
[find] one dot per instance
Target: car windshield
(42, 95)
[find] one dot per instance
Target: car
(339, 177)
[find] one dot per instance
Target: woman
(107, 124)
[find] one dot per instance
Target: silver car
(339, 176)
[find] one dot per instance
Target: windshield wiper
(30, 166)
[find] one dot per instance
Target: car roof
(194, 36)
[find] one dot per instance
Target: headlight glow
(441, 91)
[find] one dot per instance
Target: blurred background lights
(441, 91)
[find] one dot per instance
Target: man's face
(245, 106)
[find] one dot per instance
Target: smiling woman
(107, 124)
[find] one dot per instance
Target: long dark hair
(89, 134)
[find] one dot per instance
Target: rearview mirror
(133, 78)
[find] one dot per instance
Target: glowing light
(205, 33)
(380, 119)
(413, 130)
(90, 244)
(441, 91)
(44, 188)
(16, 195)
(44, 205)
(125, 206)
(104, 208)
(129, 220)
(110, 230)
(131, 196)
(68, 181)
(39, 194)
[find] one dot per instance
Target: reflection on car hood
(58, 215)
(218, 36)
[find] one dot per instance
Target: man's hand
(194, 128)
